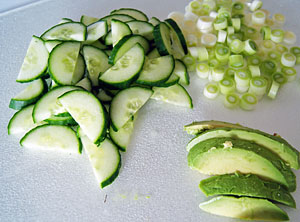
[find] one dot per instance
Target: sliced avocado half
(276, 144)
(244, 208)
(218, 156)
(198, 127)
(246, 185)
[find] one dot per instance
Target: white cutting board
(155, 183)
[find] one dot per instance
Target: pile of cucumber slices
(252, 169)
(87, 80)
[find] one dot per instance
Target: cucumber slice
(105, 160)
(142, 28)
(87, 20)
(85, 83)
(126, 69)
(50, 44)
(137, 14)
(79, 70)
(172, 80)
(48, 105)
(29, 95)
(108, 39)
(98, 45)
(52, 137)
(64, 20)
(153, 54)
(126, 103)
(119, 30)
(120, 17)
(62, 62)
(162, 39)
(104, 97)
(96, 61)
(123, 135)
(88, 112)
(154, 21)
(21, 122)
(125, 44)
(175, 94)
(75, 31)
(178, 40)
(181, 71)
(156, 71)
(35, 62)
(96, 30)
(61, 120)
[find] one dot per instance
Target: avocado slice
(246, 185)
(227, 155)
(244, 208)
(276, 144)
(200, 126)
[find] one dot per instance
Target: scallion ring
(258, 17)
(211, 90)
(250, 47)
(226, 85)
(204, 22)
(208, 40)
(258, 86)
(230, 72)
(288, 59)
(218, 73)
(190, 62)
(255, 5)
(237, 46)
(222, 36)
(290, 73)
(248, 101)
(203, 70)
(279, 78)
(254, 60)
(231, 100)
(254, 70)
(268, 67)
(278, 18)
(242, 77)
(266, 32)
(222, 53)
(296, 51)
(273, 90)
(277, 35)
(220, 23)
(289, 38)
(236, 61)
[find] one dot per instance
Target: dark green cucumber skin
(159, 41)
(276, 138)
(20, 104)
(176, 28)
(142, 13)
(167, 84)
(218, 143)
(126, 84)
(246, 185)
(159, 83)
(102, 136)
(85, 31)
(45, 125)
(186, 72)
(59, 120)
(115, 174)
(114, 52)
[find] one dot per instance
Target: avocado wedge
(198, 127)
(276, 144)
(217, 156)
(246, 185)
(244, 208)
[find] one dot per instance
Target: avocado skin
(294, 153)
(218, 143)
(246, 185)
(244, 208)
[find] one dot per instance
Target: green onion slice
(250, 47)
(268, 67)
(279, 78)
(222, 53)
(290, 73)
(211, 90)
(266, 32)
(288, 59)
(277, 35)
(254, 60)
(258, 85)
(242, 77)
(254, 70)
(218, 73)
(273, 90)
(203, 70)
(227, 85)
(236, 61)
(237, 46)
(220, 23)
(248, 101)
(231, 100)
